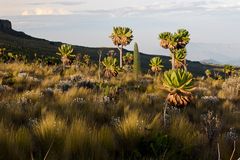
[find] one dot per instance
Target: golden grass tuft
(50, 81)
(184, 131)
(50, 134)
(131, 129)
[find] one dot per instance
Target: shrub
(231, 89)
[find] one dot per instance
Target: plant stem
(121, 55)
(164, 115)
(234, 148)
(219, 153)
(99, 65)
(45, 157)
(173, 61)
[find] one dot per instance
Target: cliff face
(6, 28)
(5, 25)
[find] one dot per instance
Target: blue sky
(89, 22)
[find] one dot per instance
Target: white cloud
(115, 7)
(64, 3)
(45, 11)
(151, 7)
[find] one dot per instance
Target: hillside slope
(20, 42)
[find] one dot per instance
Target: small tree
(136, 61)
(121, 37)
(128, 59)
(86, 59)
(110, 67)
(228, 70)
(156, 65)
(175, 42)
(2, 54)
(2, 50)
(65, 51)
(208, 73)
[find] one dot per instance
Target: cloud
(148, 8)
(45, 11)
(167, 7)
(219, 5)
(68, 3)
(156, 8)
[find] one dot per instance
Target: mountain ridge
(22, 43)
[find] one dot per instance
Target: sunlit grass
(40, 120)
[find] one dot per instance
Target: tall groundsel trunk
(121, 56)
(185, 64)
(173, 61)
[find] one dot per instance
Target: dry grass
(39, 119)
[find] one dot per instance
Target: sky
(90, 22)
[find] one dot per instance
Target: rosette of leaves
(182, 38)
(2, 51)
(121, 36)
(228, 70)
(180, 57)
(128, 58)
(179, 84)
(156, 64)
(49, 60)
(110, 67)
(208, 73)
(175, 40)
(86, 59)
(65, 51)
(165, 39)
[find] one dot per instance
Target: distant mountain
(210, 61)
(211, 53)
(217, 53)
(22, 43)
(235, 62)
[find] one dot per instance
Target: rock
(106, 99)
(34, 79)
(58, 70)
(86, 84)
(5, 25)
(210, 99)
(8, 80)
(76, 78)
(64, 85)
(22, 74)
(78, 101)
(145, 81)
(23, 101)
(2, 89)
(47, 92)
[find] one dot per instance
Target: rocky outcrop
(5, 25)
